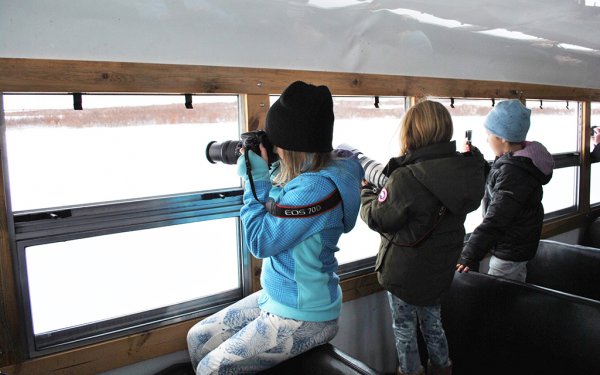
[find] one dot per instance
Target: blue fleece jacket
(298, 271)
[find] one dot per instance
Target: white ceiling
(551, 41)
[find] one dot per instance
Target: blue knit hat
(509, 120)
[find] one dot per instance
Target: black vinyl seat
(572, 269)
(499, 326)
(322, 360)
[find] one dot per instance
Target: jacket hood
(539, 155)
(346, 173)
(456, 179)
(534, 158)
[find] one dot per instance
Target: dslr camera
(229, 151)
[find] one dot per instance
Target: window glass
(559, 194)
(117, 147)
(554, 125)
(375, 132)
(561, 191)
(94, 279)
(469, 114)
(595, 184)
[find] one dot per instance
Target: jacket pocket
(383, 249)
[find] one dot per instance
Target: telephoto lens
(226, 152)
(373, 169)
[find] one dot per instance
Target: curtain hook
(541, 105)
(451, 102)
(376, 101)
(188, 101)
(493, 102)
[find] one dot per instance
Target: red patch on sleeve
(383, 194)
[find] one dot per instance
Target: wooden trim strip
(585, 172)
(563, 224)
(12, 342)
(360, 286)
(40, 75)
(108, 355)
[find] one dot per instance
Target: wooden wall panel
(33, 75)
(108, 355)
(12, 342)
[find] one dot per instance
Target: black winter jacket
(407, 210)
(513, 210)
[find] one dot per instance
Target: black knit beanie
(302, 119)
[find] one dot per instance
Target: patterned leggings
(243, 339)
(404, 317)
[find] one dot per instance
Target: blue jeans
(508, 269)
(404, 317)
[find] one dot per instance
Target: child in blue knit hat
(512, 205)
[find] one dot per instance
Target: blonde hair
(293, 163)
(424, 124)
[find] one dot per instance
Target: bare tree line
(213, 113)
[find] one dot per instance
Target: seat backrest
(573, 269)
(591, 236)
(499, 326)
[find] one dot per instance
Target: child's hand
(596, 136)
(461, 267)
(263, 152)
(467, 145)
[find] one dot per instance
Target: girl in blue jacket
(315, 197)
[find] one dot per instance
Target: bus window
(121, 224)
(117, 147)
(375, 132)
(469, 114)
(95, 279)
(560, 193)
(554, 124)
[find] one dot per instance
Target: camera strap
(250, 179)
(277, 210)
(318, 208)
